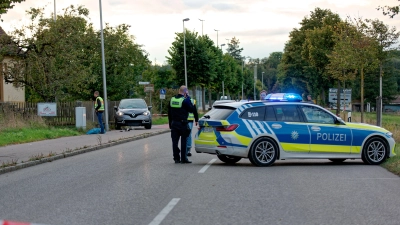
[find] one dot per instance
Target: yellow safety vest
(102, 104)
(191, 115)
(176, 102)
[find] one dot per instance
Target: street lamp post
(104, 68)
(184, 50)
(262, 80)
(201, 26)
(223, 84)
(217, 36)
(54, 10)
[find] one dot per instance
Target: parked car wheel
(148, 126)
(229, 159)
(117, 126)
(264, 152)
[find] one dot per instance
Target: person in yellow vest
(193, 117)
(99, 108)
(178, 111)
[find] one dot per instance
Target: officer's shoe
(189, 154)
(177, 161)
(186, 161)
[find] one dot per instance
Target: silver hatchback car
(132, 112)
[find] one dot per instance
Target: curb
(81, 151)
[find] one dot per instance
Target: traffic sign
(162, 96)
(144, 82)
(163, 91)
(148, 89)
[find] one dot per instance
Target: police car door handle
(315, 128)
(276, 126)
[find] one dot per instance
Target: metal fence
(65, 111)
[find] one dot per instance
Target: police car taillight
(229, 128)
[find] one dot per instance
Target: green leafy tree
(305, 55)
(126, 63)
(6, 5)
(364, 54)
(390, 11)
(53, 63)
(234, 49)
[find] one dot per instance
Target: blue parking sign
(163, 91)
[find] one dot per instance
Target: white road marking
(206, 166)
(161, 216)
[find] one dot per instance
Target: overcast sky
(261, 26)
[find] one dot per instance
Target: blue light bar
(284, 97)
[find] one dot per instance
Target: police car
(283, 127)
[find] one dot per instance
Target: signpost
(345, 98)
(162, 96)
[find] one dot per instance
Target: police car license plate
(208, 130)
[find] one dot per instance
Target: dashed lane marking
(161, 216)
(206, 166)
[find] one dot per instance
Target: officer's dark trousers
(178, 131)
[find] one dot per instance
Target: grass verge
(393, 164)
(24, 135)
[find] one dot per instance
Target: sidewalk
(53, 149)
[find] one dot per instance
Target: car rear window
(219, 113)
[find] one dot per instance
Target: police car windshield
(132, 104)
(219, 113)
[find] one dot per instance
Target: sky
(262, 26)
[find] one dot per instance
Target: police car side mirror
(150, 107)
(339, 120)
(115, 108)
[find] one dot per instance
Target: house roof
(7, 47)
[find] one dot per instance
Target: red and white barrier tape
(7, 222)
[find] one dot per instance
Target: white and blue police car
(283, 127)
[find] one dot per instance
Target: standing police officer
(178, 111)
(193, 117)
(99, 108)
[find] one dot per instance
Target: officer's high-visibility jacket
(99, 104)
(193, 116)
(179, 108)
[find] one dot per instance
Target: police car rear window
(219, 113)
(254, 113)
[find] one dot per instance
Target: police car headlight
(146, 113)
(120, 113)
(389, 134)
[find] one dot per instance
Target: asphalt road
(138, 183)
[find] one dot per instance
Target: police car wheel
(229, 159)
(337, 160)
(374, 152)
(263, 152)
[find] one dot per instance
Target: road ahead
(138, 183)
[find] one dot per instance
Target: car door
(289, 128)
(326, 135)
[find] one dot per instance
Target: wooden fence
(65, 111)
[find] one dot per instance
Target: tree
(341, 66)
(234, 50)
(386, 37)
(5, 5)
(304, 58)
(364, 54)
(55, 55)
(390, 11)
(203, 61)
(126, 63)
